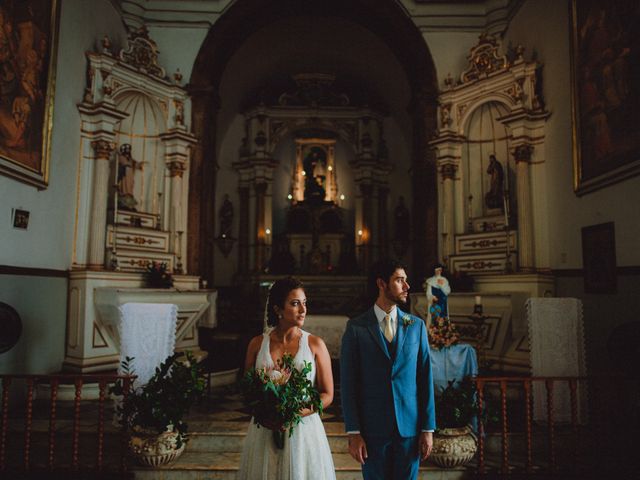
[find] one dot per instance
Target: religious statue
(226, 217)
(314, 166)
(126, 176)
(494, 198)
(438, 290)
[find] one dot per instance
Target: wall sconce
(290, 197)
(342, 197)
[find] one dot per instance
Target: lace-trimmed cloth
(148, 334)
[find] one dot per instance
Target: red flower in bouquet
(276, 395)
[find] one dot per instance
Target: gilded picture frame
(605, 54)
(28, 48)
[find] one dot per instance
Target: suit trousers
(395, 458)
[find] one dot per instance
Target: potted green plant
(154, 413)
(454, 443)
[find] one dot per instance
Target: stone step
(233, 441)
(224, 466)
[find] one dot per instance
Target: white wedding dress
(306, 454)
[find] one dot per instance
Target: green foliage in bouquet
(275, 396)
(164, 401)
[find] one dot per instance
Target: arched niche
(495, 108)
(391, 27)
(142, 129)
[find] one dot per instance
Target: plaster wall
(559, 214)
(49, 241)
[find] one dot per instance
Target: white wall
(48, 242)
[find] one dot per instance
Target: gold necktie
(388, 332)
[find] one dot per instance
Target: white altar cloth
(148, 334)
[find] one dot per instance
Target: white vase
(152, 449)
(453, 447)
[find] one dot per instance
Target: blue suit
(387, 392)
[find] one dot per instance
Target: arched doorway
(359, 41)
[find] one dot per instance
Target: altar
(453, 363)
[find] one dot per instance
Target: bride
(306, 454)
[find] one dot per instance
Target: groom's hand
(426, 444)
(357, 448)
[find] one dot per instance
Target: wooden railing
(586, 442)
(18, 421)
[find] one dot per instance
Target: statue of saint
(314, 166)
(438, 290)
(494, 198)
(226, 217)
(126, 176)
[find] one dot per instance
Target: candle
(506, 210)
(478, 300)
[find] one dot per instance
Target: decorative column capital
(103, 148)
(448, 171)
(176, 169)
(522, 153)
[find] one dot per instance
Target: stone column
(176, 226)
(177, 143)
(98, 228)
(261, 190)
(526, 260)
(383, 221)
(243, 230)
(448, 173)
(424, 175)
(202, 181)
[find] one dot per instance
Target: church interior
(192, 152)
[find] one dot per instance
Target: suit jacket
(379, 393)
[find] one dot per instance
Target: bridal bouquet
(275, 396)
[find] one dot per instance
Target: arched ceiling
(263, 66)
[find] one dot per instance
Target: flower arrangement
(275, 396)
(158, 275)
(442, 332)
(161, 403)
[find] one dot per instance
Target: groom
(386, 383)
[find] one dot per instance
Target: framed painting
(28, 37)
(605, 71)
(599, 258)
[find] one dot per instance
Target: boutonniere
(407, 320)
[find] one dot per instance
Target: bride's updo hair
(277, 296)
